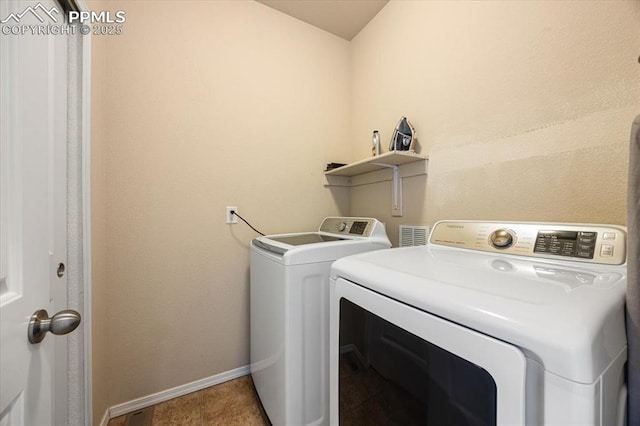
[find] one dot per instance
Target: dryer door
(405, 366)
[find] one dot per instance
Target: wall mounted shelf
(394, 158)
(401, 164)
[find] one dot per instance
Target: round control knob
(501, 239)
(342, 226)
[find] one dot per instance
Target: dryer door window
(400, 365)
(399, 378)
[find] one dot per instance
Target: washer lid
(337, 237)
(302, 239)
(281, 244)
(568, 316)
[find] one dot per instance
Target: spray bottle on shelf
(375, 148)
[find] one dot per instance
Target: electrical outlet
(230, 217)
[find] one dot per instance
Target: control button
(501, 239)
(586, 254)
(609, 236)
(606, 250)
(588, 234)
(342, 226)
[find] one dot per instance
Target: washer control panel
(586, 243)
(353, 226)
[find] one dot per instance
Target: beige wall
(200, 105)
(100, 351)
(524, 108)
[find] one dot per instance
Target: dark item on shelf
(331, 166)
(404, 136)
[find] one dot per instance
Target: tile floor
(231, 403)
(367, 399)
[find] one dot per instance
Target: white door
(33, 136)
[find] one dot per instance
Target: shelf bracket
(396, 202)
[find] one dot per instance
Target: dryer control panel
(580, 242)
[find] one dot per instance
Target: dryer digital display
(566, 243)
(358, 228)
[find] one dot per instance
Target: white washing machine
(289, 299)
(488, 324)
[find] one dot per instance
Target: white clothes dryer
(289, 307)
(488, 324)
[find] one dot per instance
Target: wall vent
(140, 417)
(413, 235)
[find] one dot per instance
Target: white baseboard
(146, 401)
(105, 418)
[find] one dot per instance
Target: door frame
(85, 161)
(85, 176)
(78, 362)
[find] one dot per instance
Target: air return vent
(140, 417)
(413, 235)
